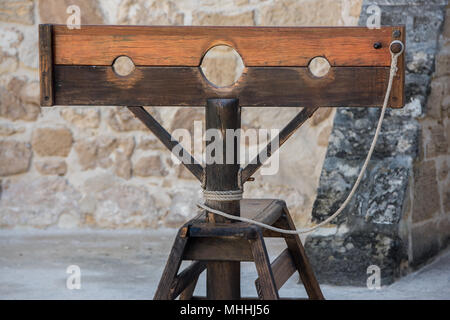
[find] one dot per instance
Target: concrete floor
(128, 264)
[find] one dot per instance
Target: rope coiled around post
(393, 71)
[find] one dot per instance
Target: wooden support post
(223, 278)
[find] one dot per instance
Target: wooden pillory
(76, 69)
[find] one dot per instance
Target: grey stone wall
(384, 223)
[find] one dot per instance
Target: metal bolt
(396, 33)
(377, 45)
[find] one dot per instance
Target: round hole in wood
(123, 66)
(222, 66)
(319, 67)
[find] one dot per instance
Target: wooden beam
(167, 140)
(266, 287)
(258, 46)
(185, 278)
(46, 64)
(282, 268)
(257, 87)
(277, 142)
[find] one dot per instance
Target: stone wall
(99, 167)
(400, 215)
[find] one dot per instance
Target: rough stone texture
(19, 101)
(110, 204)
(51, 167)
(15, 157)
(219, 19)
(400, 190)
(425, 242)
(52, 141)
(308, 13)
(426, 193)
(82, 118)
(121, 119)
(98, 151)
(19, 11)
(55, 11)
(144, 12)
(38, 202)
(151, 166)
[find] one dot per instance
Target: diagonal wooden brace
(192, 164)
(282, 137)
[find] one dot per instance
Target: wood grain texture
(163, 292)
(301, 261)
(266, 286)
(282, 268)
(185, 46)
(46, 64)
(186, 278)
(258, 87)
(223, 278)
(218, 249)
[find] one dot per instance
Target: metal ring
(399, 42)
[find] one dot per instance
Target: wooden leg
(223, 280)
(265, 286)
(189, 291)
(301, 261)
(172, 266)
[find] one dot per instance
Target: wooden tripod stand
(75, 69)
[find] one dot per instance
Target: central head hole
(222, 66)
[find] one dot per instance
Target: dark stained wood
(187, 293)
(266, 286)
(278, 141)
(257, 87)
(46, 64)
(230, 230)
(398, 97)
(223, 278)
(258, 46)
(301, 261)
(217, 249)
(191, 164)
(186, 278)
(282, 268)
(223, 281)
(163, 292)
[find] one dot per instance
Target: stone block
(55, 11)
(15, 157)
(18, 11)
(38, 202)
(153, 12)
(202, 18)
(52, 141)
(425, 242)
(150, 166)
(51, 167)
(426, 200)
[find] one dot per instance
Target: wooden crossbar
(76, 66)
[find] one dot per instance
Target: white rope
(230, 195)
(393, 71)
